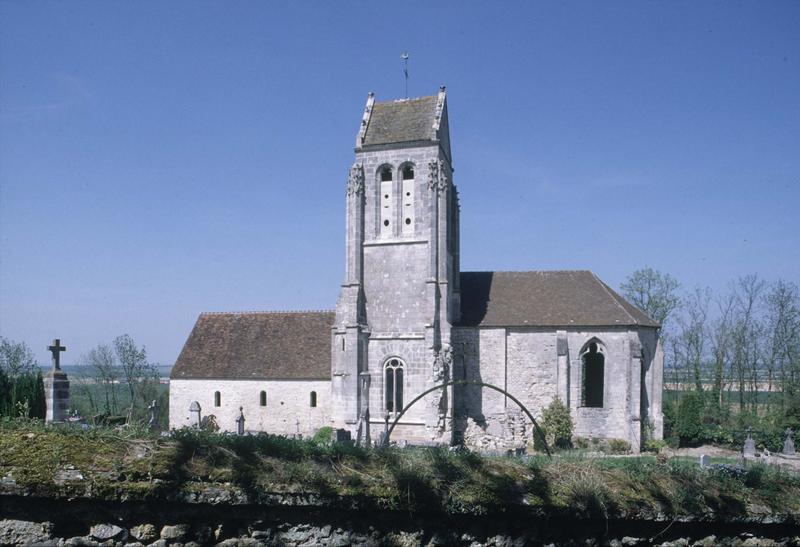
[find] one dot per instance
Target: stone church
(408, 319)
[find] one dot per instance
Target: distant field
(79, 371)
(731, 397)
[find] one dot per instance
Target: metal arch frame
(467, 383)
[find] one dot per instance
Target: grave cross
(153, 408)
(56, 350)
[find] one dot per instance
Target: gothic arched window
(217, 399)
(313, 399)
(393, 385)
(593, 359)
(262, 398)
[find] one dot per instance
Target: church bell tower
(400, 293)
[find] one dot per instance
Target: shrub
(580, 442)
(22, 395)
(689, 420)
(654, 445)
(557, 426)
(618, 446)
(323, 435)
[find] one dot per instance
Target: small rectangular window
(408, 207)
(387, 209)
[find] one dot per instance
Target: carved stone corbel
(355, 180)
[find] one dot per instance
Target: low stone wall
(46, 521)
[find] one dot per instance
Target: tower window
(387, 199)
(593, 376)
(217, 398)
(407, 207)
(393, 385)
(313, 399)
(262, 398)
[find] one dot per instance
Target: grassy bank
(61, 461)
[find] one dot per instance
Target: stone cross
(788, 444)
(152, 408)
(194, 414)
(240, 422)
(56, 350)
(385, 435)
(749, 450)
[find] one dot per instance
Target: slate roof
(405, 120)
(544, 299)
(258, 345)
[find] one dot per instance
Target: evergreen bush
(557, 425)
(688, 426)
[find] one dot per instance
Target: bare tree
(747, 333)
(783, 339)
(102, 365)
(653, 292)
(691, 336)
(721, 333)
(138, 374)
(16, 358)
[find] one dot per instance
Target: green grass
(131, 464)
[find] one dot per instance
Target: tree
(747, 339)
(690, 338)
(16, 358)
(102, 366)
(653, 292)
(136, 371)
(783, 340)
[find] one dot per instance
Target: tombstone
(749, 450)
(240, 422)
(788, 444)
(153, 408)
(705, 461)
(56, 387)
(341, 436)
(194, 415)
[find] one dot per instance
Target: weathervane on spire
(404, 57)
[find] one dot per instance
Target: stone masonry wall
(95, 523)
(524, 361)
(288, 402)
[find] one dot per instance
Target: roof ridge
(264, 312)
(607, 289)
(526, 271)
(406, 99)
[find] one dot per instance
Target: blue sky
(159, 159)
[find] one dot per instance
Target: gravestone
(749, 450)
(705, 461)
(341, 436)
(56, 387)
(194, 414)
(240, 422)
(788, 444)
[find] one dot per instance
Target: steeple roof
(403, 121)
